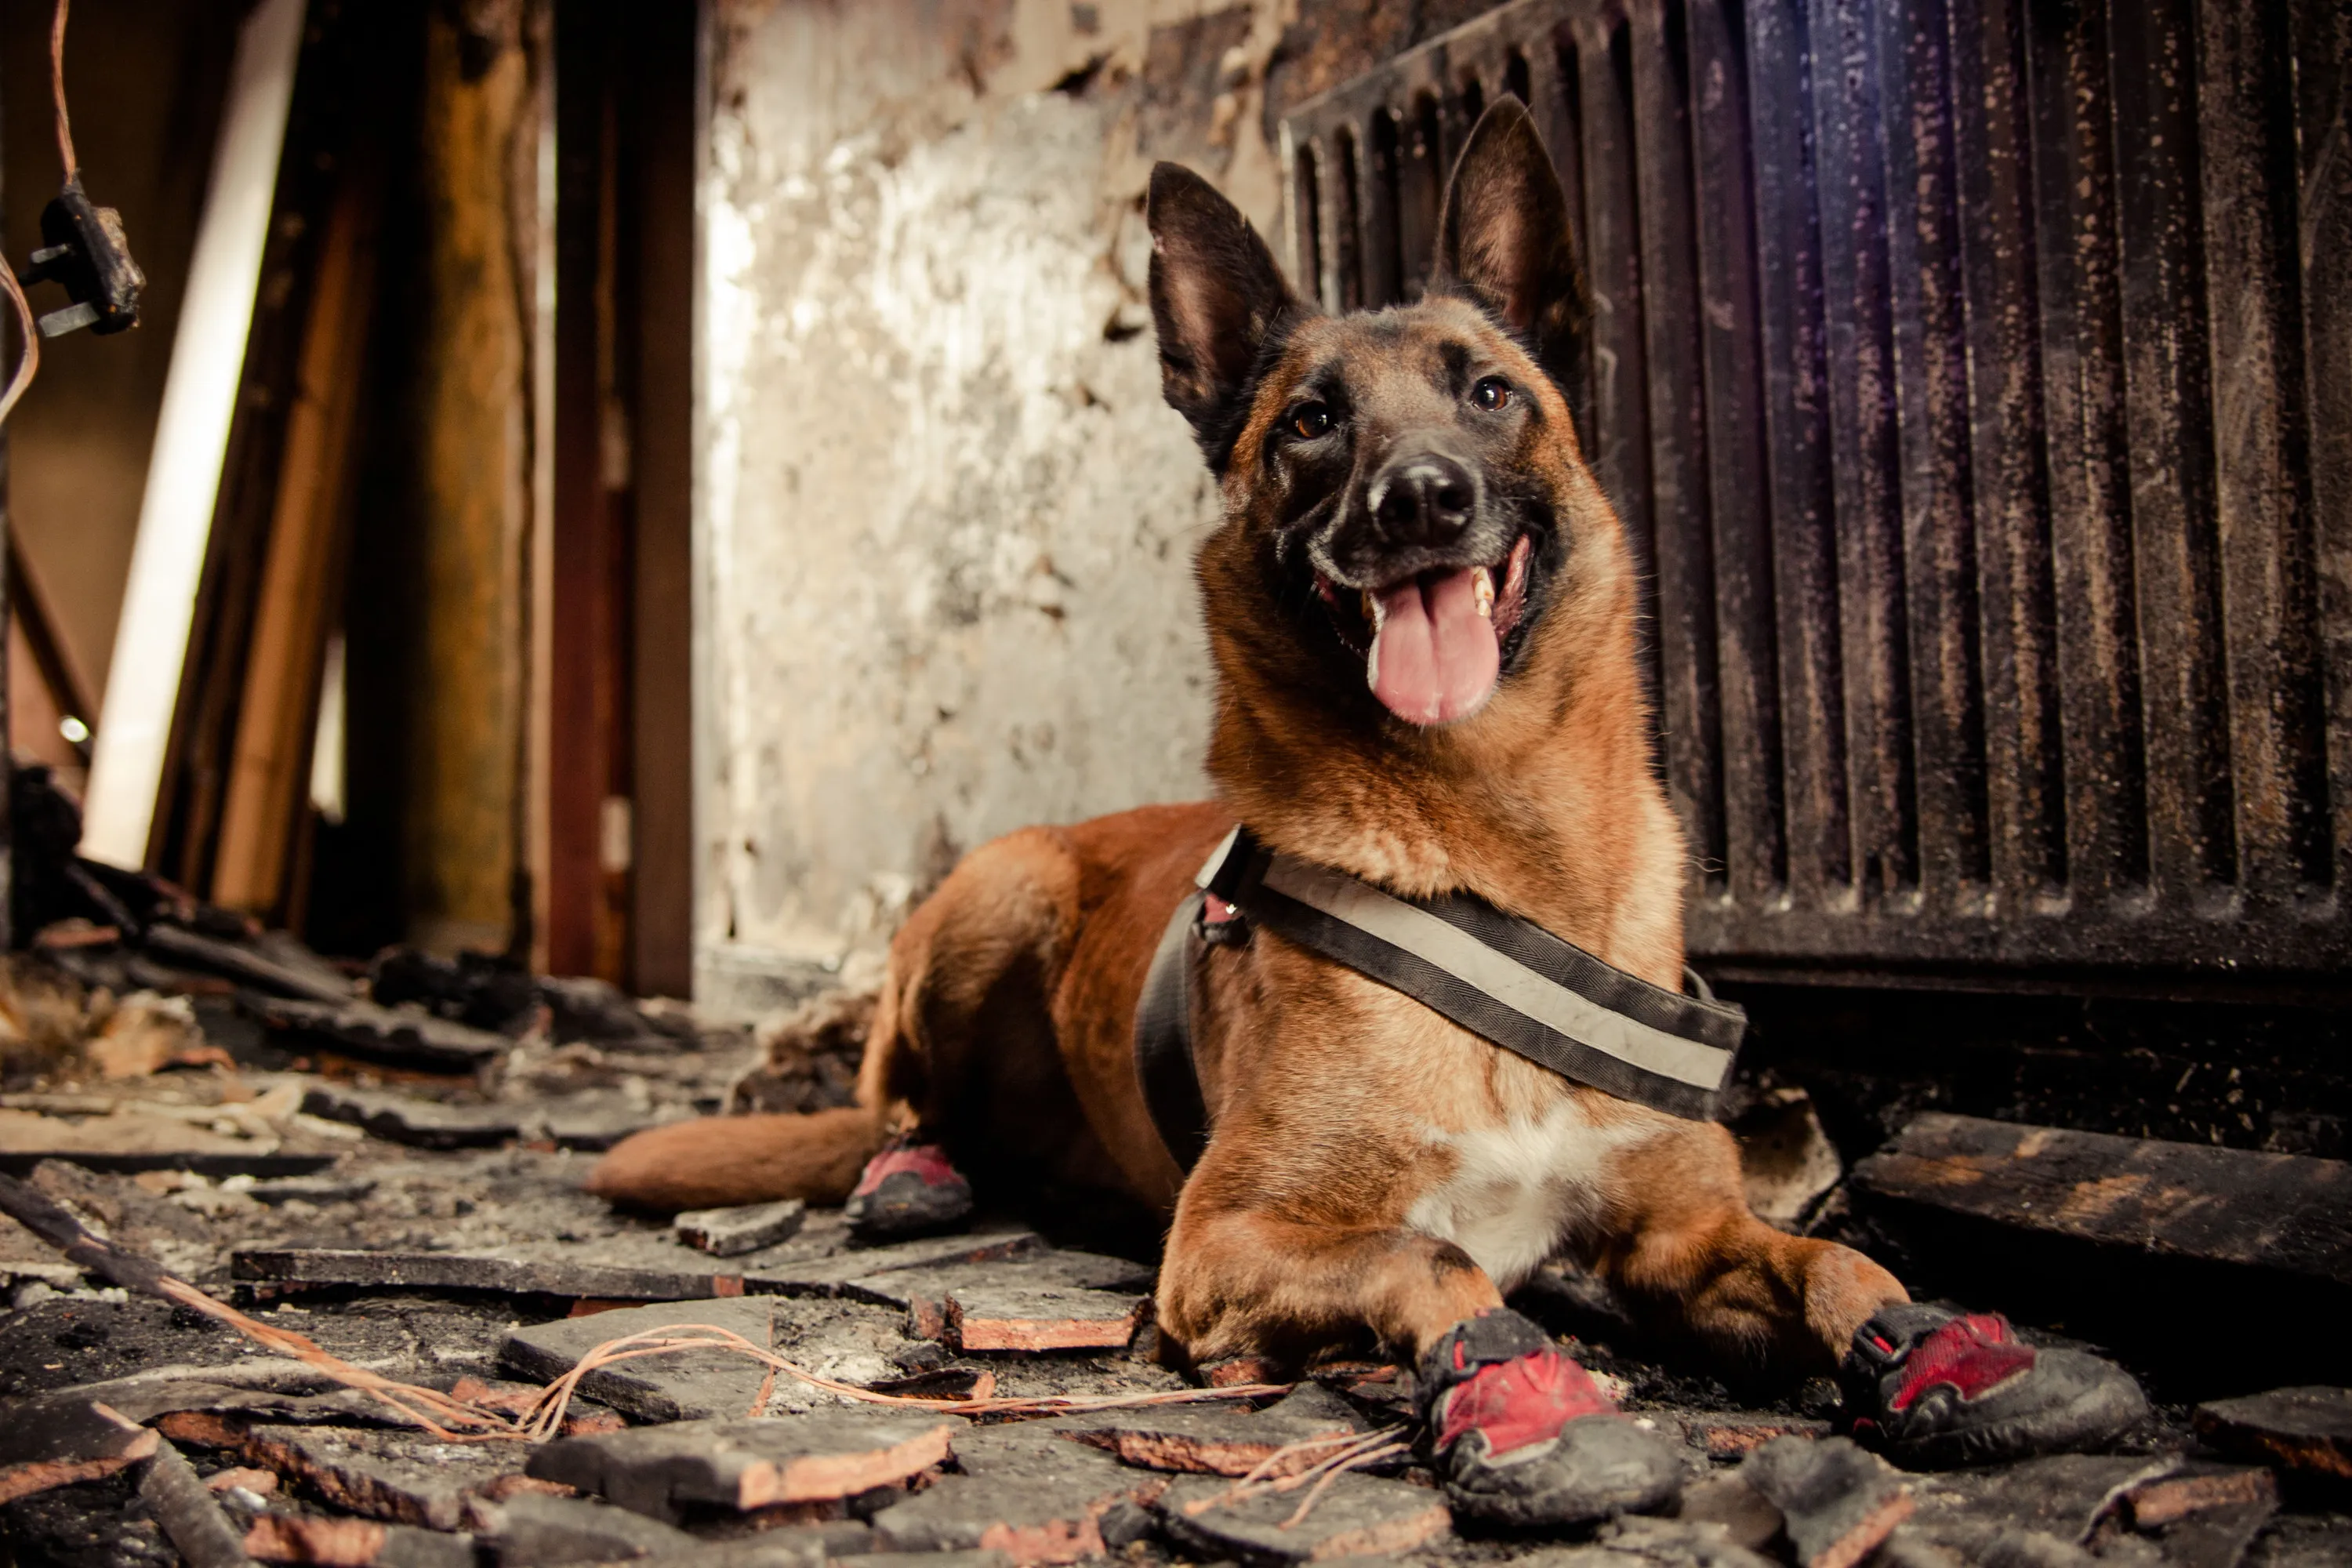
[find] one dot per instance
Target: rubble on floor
(389, 1165)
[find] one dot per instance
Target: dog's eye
(1491, 393)
(1310, 420)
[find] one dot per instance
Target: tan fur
(1355, 1130)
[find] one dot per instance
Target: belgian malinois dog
(1421, 611)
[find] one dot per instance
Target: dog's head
(1412, 542)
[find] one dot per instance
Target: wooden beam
(270, 763)
(2286, 1212)
(167, 560)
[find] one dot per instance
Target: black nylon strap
(1163, 1039)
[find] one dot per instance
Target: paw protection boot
(908, 1189)
(1522, 1434)
(1932, 1388)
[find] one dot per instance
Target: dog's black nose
(1424, 499)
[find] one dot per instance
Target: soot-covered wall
(947, 520)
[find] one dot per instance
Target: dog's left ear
(1219, 302)
(1503, 242)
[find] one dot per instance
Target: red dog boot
(1933, 1388)
(909, 1189)
(1523, 1436)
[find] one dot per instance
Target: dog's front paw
(1934, 1388)
(1523, 1436)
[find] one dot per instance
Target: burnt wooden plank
(1547, 79)
(1343, 184)
(1383, 255)
(1849, 164)
(1421, 186)
(1755, 847)
(2270, 589)
(2082, 346)
(2151, 63)
(2301, 1429)
(2286, 1212)
(1799, 481)
(1309, 223)
(1689, 696)
(474, 1271)
(2322, 39)
(1931, 397)
(1620, 449)
(2024, 758)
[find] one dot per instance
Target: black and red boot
(1522, 1434)
(909, 1189)
(1933, 1388)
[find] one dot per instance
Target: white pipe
(167, 563)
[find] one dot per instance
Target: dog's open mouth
(1432, 644)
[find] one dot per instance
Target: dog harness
(1502, 978)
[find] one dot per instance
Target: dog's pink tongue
(1434, 658)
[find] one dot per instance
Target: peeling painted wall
(946, 520)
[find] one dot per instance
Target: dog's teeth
(1372, 609)
(1481, 594)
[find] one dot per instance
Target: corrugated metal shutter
(1975, 380)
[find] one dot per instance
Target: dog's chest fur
(1518, 1188)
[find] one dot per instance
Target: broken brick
(1356, 1516)
(821, 1456)
(1838, 1502)
(1011, 1318)
(731, 1232)
(2307, 1430)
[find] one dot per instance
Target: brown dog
(1421, 609)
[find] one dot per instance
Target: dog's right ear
(1219, 302)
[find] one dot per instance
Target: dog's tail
(717, 1161)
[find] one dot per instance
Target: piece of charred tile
(1024, 1491)
(2305, 1431)
(1220, 1439)
(1019, 1318)
(191, 1515)
(1735, 1437)
(846, 1341)
(412, 1120)
(825, 1455)
(354, 1543)
(1356, 1516)
(400, 1036)
(1746, 1516)
(731, 1232)
(397, 1475)
(1837, 1503)
(534, 1530)
(495, 1272)
(67, 1440)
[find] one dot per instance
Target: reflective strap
(1504, 979)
